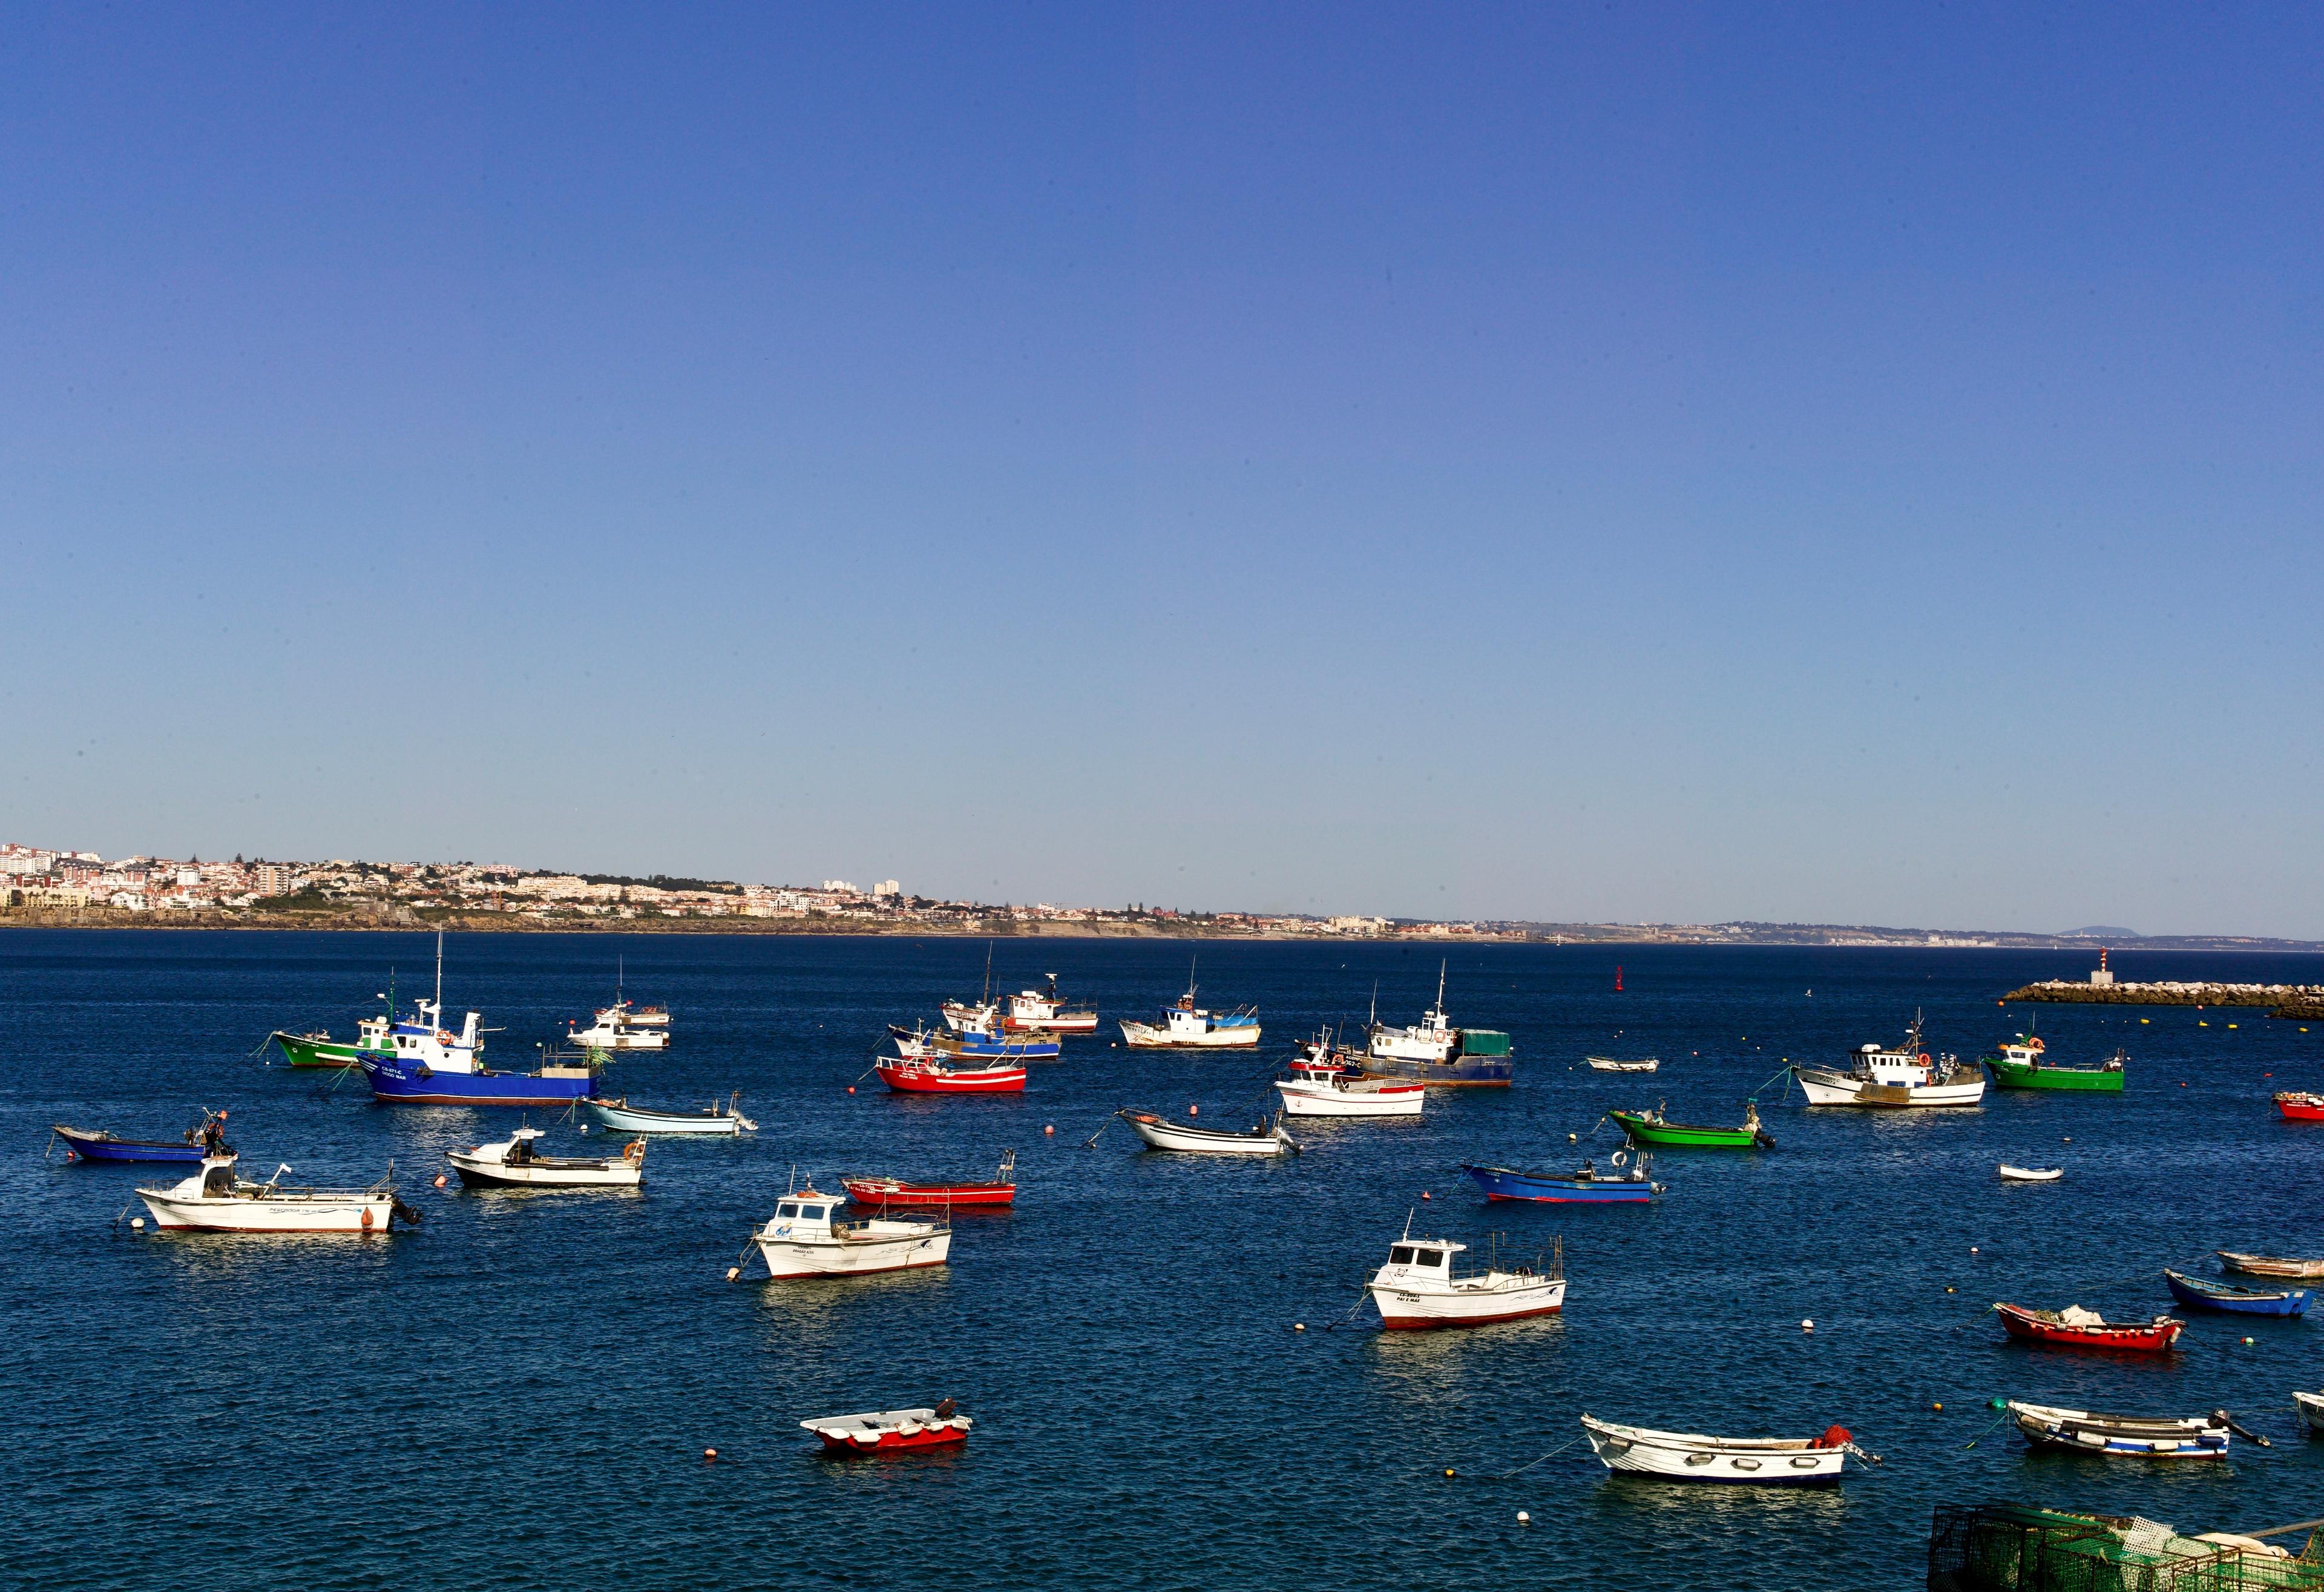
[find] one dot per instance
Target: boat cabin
(1418, 1260)
(2024, 1051)
(806, 1215)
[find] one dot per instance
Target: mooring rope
(1529, 1464)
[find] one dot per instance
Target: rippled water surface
(519, 1392)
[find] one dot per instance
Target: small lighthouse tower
(2100, 978)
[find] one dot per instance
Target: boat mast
(1190, 974)
(440, 978)
(1440, 988)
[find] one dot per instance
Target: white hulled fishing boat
(615, 1031)
(1036, 1011)
(1417, 1288)
(1322, 1090)
(215, 1199)
(514, 1163)
(1161, 1134)
(1905, 1077)
(1694, 1456)
(802, 1240)
(1185, 1026)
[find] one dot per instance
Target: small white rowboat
(2312, 1408)
(1608, 1064)
(1267, 1139)
(1688, 1456)
(2134, 1437)
(890, 1430)
(2030, 1174)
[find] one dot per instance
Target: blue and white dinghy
(722, 1117)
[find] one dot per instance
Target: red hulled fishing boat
(1002, 1190)
(2299, 1106)
(2076, 1327)
(925, 1074)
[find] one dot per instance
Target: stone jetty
(2284, 1000)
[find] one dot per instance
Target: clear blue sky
(1852, 463)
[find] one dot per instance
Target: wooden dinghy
(2076, 1327)
(1653, 1127)
(2031, 1174)
(2270, 1265)
(890, 1431)
(2129, 1436)
(1612, 1064)
(1697, 1457)
(99, 1144)
(2207, 1295)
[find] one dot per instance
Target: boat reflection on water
(1425, 1367)
(793, 1309)
(1704, 1518)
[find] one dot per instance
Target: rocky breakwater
(2301, 1001)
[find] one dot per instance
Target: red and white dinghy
(890, 1430)
(926, 1075)
(1000, 1191)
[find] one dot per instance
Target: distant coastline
(1002, 923)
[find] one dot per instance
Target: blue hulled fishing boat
(2203, 1294)
(104, 1146)
(1584, 1186)
(420, 1063)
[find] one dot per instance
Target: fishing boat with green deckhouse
(2021, 1066)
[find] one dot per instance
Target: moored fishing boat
(929, 1075)
(2300, 1106)
(513, 1163)
(889, 1431)
(1652, 1127)
(1699, 1457)
(1905, 1077)
(721, 1117)
(2127, 1437)
(2312, 1408)
(914, 1043)
(1436, 1052)
(86, 1144)
(1321, 1090)
(1000, 1191)
(613, 1030)
(1585, 1186)
(1037, 1011)
(2204, 1294)
(1162, 1134)
(453, 1076)
(215, 1199)
(801, 1239)
(1188, 1027)
(1615, 1064)
(2022, 1064)
(2076, 1327)
(2270, 1265)
(1416, 1288)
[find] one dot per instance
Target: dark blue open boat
(104, 1146)
(2203, 1294)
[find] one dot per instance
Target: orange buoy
(851, 1089)
(440, 1179)
(1194, 1111)
(711, 1455)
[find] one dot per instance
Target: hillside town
(63, 885)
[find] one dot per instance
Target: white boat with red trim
(1321, 1089)
(802, 1240)
(1036, 1011)
(1697, 1457)
(888, 1432)
(1417, 1288)
(1161, 1134)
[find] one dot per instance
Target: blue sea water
(519, 1391)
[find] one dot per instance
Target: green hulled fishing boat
(1652, 1127)
(2020, 1067)
(314, 1049)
